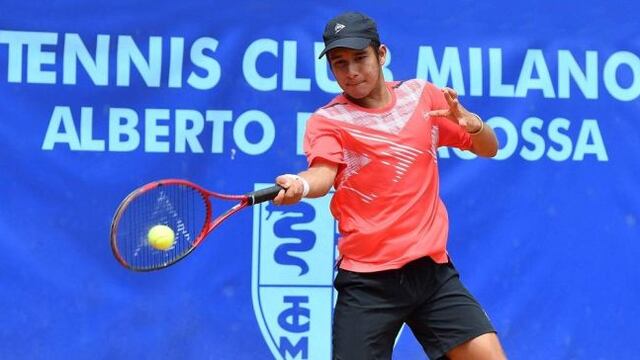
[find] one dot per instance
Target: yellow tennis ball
(161, 237)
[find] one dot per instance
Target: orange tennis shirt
(386, 199)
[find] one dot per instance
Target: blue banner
(98, 99)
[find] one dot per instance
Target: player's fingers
(290, 197)
(279, 198)
(292, 192)
(451, 100)
(284, 180)
(449, 91)
(455, 107)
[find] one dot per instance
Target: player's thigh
(484, 347)
(451, 317)
(360, 333)
(367, 317)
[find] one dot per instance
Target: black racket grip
(262, 195)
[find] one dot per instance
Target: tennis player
(376, 143)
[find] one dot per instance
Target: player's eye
(340, 63)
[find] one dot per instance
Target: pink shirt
(387, 200)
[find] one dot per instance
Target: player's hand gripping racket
(160, 223)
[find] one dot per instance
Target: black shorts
(427, 296)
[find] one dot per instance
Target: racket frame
(209, 225)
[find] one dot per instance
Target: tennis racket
(180, 205)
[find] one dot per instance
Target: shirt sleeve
(449, 133)
(322, 140)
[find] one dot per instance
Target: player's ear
(382, 54)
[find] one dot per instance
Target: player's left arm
(484, 139)
(485, 142)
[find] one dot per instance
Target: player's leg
(484, 347)
(451, 323)
(368, 315)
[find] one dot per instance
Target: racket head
(179, 204)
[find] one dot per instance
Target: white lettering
(188, 134)
(205, 62)
(117, 129)
(218, 118)
(534, 61)
(87, 141)
(587, 80)
(290, 81)
(153, 130)
(129, 53)
(475, 72)
(611, 79)
(590, 131)
(249, 65)
(559, 138)
(97, 68)
(62, 130)
(450, 68)
(533, 138)
(240, 136)
(496, 87)
(175, 62)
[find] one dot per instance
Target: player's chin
(359, 91)
(356, 94)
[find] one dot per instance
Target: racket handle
(262, 195)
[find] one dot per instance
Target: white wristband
(481, 125)
(305, 184)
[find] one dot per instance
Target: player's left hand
(457, 113)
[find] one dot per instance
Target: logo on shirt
(292, 277)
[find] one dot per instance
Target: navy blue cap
(351, 30)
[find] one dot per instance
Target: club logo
(292, 277)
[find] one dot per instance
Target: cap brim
(350, 43)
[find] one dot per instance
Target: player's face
(358, 72)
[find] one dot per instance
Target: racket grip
(262, 195)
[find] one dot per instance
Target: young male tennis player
(376, 144)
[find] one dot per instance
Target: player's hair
(376, 47)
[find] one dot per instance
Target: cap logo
(338, 27)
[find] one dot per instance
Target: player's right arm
(320, 176)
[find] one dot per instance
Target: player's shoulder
(339, 100)
(413, 91)
(408, 82)
(336, 106)
(415, 85)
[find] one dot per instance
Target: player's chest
(386, 133)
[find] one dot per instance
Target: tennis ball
(161, 237)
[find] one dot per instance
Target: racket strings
(181, 208)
